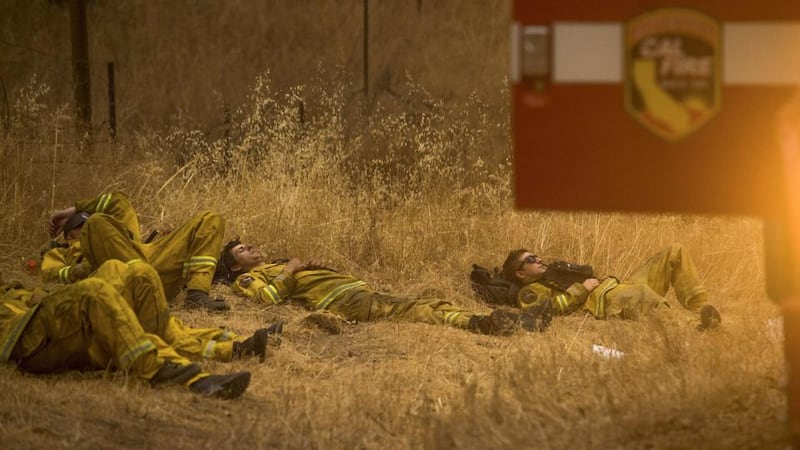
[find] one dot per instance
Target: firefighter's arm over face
(534, 295)
(58, 219)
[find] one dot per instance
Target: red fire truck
(656, 105)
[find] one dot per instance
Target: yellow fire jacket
(65, 265)
(317, 289)
(565, 302)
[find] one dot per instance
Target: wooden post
(366, 49)
(7, 115)
(112, 103)
(80, 68)
(301, 113)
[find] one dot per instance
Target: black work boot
(504, 321)
(326, 321)
(171, 373)
(709, 318)
(499, 322)
(196, 298)
(536, 319)
(480, 323)
(275, 330)
(255, 345)
(222, 386)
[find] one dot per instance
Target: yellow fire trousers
(646, 287)
(186, 256)
(88, 325)
(140, 285)
(365, 306)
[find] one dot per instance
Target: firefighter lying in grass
(319, 288)
(90, 325)
(139, 284)
(106, 227)
(609, 297)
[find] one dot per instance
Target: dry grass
(313, 193)
(406, 198)
(391, 385)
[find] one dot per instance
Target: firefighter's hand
(35, 299)
(315, 264)
(294, 265)
(58, 219)
(80, 271)
(591, 283)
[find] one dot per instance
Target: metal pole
(80, 68)
(112, 103)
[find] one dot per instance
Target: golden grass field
(405, 193)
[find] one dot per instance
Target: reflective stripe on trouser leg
(166, 353)
(218, 351)
(102, 204)
(458, 319)
(187, 256)
(194, 342)
(199, 263)
(199, 272)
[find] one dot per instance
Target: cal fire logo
(673, 71)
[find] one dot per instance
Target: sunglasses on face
(530, 259)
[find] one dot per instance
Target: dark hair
(224, 274)
(75, 221)
(511, 265)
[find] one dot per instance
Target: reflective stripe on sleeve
(271, 293)
(63, 274)
(562, 302)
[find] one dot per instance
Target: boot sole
(709, 318)
(232, 387)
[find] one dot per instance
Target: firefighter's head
(72, 227)
(521, 265)
(237, 258)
